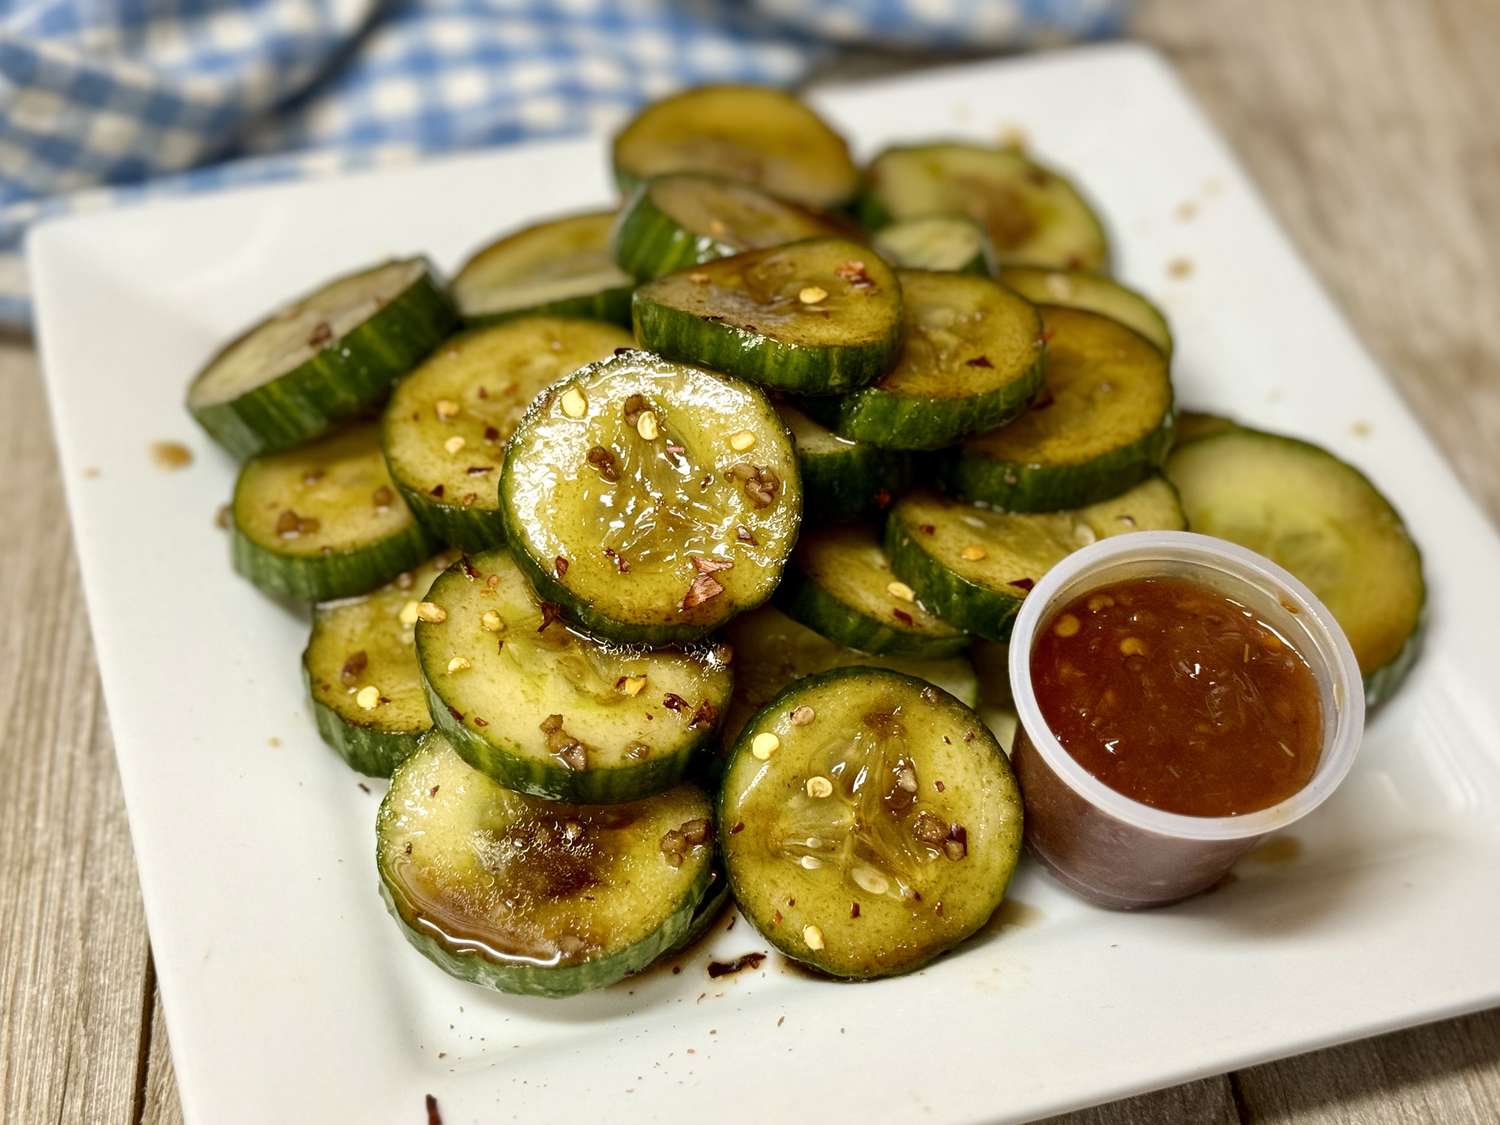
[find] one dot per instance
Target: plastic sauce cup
(1112, 849)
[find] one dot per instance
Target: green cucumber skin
(648, 243)
(350, 375)
(562, 980)
(877, 417)
(320, 578)
(470, 530)
(852, 484)
(554, 780)
(1013, 487)
(370, 752)
(803, 600)
(1382, 683)
(610, 305)
(710, 908)
(795, 368)
(963, 604)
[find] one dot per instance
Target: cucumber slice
(840, 584)
(996, 706)
(361, 671)
(771, 650)
(547, 711)
(537, 897)
(652, 501)
(937, 242)
(687, 218)
(822, 316)
(1032, 214)
(973, 566)
(1324, 521)
(324, 521)
(562, 267)
(869, 821)
(971, 360)
(843, 479)
(1195, 424)
(1102, 423)
(752, 133)
(327, 356)
(445, 428)
(1079, 289)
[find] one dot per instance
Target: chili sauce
(1179, 697)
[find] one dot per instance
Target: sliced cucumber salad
(869, 821)
(1102, 422)
(974, 565)
(445, 428)
(326, 357)
(1324, 521)
(971, 360)
(843, 479)
(650, 500)
(531, 896)
(817, 317)
(1080, 289)
(562, 267)
(937, 242)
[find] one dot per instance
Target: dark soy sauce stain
(718, 969)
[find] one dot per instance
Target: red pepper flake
(902, 616)
(739, 826)
(482, 392)
(717, 969)
(551, 612)
(458, 716)
(1021, 583)
(433, 1116)
(704, 587)
(622, 564)
(938, 785)
(479, 470)
(705, 715)
(705, 564)
(745, 535)
(478, 722)
(979, 361)
(491, 434)
(673, 702)
(560, 565)
(854, 910)
(1043, 401)
(433, 792)
(436, 490)
(470, 571)
(1046, 336)
(882, 498)
(322, 332)
(928, 529)
(856, 275)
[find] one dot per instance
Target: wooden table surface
(1370, 125)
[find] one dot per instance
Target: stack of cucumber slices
(652, 557)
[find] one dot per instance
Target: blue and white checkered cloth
(108, 100)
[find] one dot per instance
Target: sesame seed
(645, 425)
(574, 404)
(819, 787)
(454, 444)
(446, 409)
(764, 744)
(491, 622)
(901, 590)
(408, 615)
(812, 294)
(973, 552)
(368, 697)
(459, 664)
(813, 937)
(742, 441)
(432, 612)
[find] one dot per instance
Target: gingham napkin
(108, 100)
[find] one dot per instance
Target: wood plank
(160, 1105)
(72, 938)
(1208, 1102)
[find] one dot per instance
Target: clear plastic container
(1116, 851)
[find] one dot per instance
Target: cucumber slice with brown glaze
(1102, 422)
(361, 670)
(840, 584)
(971, 360)
(751, 133)
(771, 650)
(324, 521)
(950, 243)
(973, 565)
(445, 428)
(562, 267)
(817, 317)
(869, 821)
(1079, 289)
(686, 218)
(547, 711)
(1032, 214)
(537, 897)
(651, 500)
(328, 356)
(841, 479)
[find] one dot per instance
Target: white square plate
(291, 997)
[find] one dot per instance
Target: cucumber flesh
(971, 360)
(937, 242)
(651, 500)
(752, 133)
(361, 670)
(1079, 289)
(1102, 422)
(821, 316)
(771, 650)
(445, 428)
(840, 584)
(537, 897)
(324, 521)
(869, 821)
(1324, 521)
(1032, 214)
(973, 565)
(562, 267)
(1195, 424)
(547, 711)
(324, 358)
(843, 479)
(686, 218)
